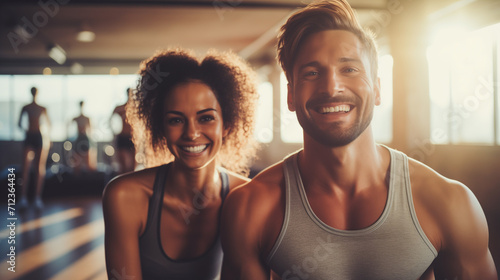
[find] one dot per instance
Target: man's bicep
(243, 267)
(239, 236)
(466, 255)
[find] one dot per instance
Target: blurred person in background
(123, 140)
(35, 150)
(84, 156)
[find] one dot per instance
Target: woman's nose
(191, 131)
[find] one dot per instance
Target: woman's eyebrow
(205, 110)
(174, 112)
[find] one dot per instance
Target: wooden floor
(64, 240)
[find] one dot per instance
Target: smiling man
(345, 207)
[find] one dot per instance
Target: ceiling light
(57, 53)
(85, 34)
(47, 71)
(114, 71)
(76, 68)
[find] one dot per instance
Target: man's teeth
(194, 149)
(335, 109)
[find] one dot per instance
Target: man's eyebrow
(349, 59)
(315, 63)
(309, 64)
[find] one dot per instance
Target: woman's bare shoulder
(134, 186)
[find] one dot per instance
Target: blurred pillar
(407, 33)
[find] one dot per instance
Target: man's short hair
(317, 17)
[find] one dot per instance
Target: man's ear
(290, 101)
(376, 89)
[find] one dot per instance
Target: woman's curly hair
(231, 80)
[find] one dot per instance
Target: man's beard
(333, 135)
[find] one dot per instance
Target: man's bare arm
(240, 237)
(465, 253)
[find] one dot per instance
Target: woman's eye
(173, 121)
(206, 118)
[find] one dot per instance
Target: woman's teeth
(194, 149)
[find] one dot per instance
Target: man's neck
(349, 168)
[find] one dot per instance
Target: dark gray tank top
(155, 263)
(394, 247)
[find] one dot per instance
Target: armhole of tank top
(286, 172)
(153, 201)
(225, 184)
(411, 206)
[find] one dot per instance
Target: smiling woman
(232, 82)
(194, 122)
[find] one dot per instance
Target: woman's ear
(225, 132)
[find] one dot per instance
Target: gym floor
(64, 240)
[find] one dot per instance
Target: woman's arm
(123, 204)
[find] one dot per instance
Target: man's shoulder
(439, 196)
(266, 181)
(263, 192)
(427, 179)
(254, 211)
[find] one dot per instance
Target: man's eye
(311, 75)
(350, 70)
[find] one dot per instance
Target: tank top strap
(225, 185)
(292, 178)
(156, 200)
(398, 170)
(159, 186)
(297, 203)
(293, 203)
(400, 186)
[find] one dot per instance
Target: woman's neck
(185, 183)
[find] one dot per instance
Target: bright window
(264, 113)
(60, 94)
(461, 88)
(6, 112)
(50, 94)
(291, 131)
(101, 93)
(382, 115)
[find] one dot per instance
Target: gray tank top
(394, 247)
(155, 263)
